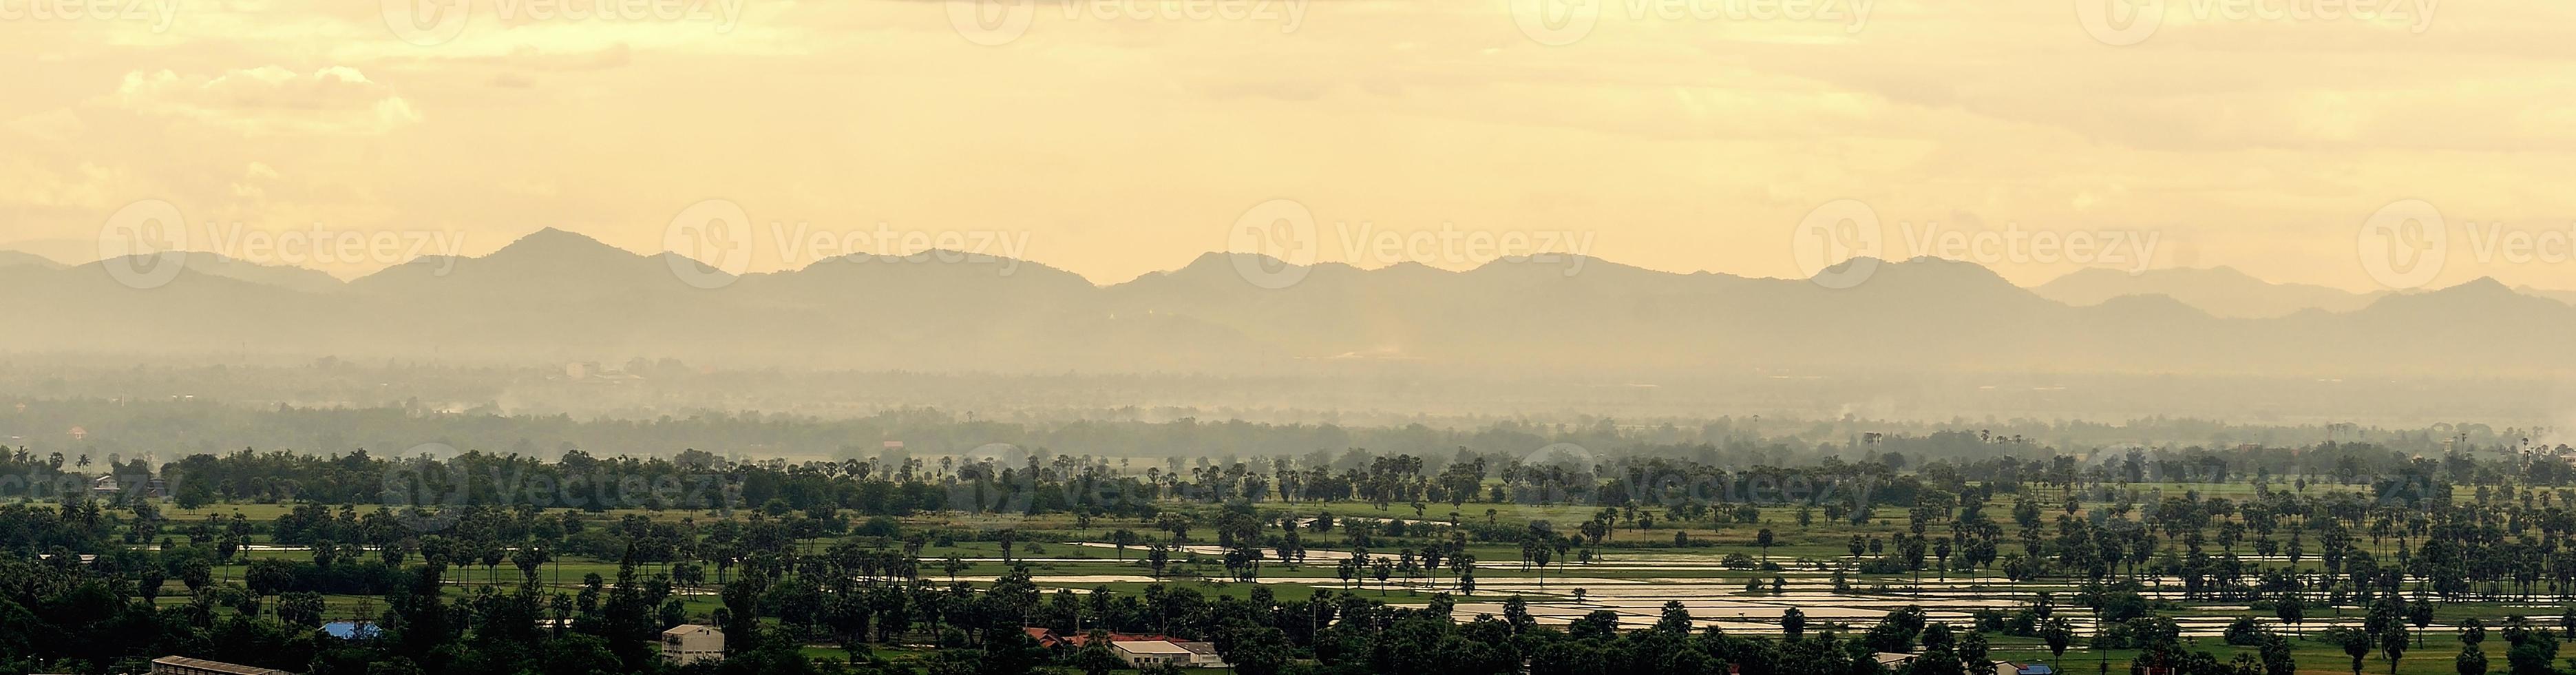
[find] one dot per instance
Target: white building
(1202, 655)
(1141, 654)
(692, 643)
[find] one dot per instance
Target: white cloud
(271, 100)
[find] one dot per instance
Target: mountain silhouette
(21, 258)
(2220, 291)
(560, 296)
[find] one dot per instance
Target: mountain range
(559, 296)
(18, 258)
(2220, 291)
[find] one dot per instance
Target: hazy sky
(1131, 136)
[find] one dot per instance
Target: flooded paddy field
(1715, 594)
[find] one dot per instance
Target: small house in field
(1045, 637)
(692, 643)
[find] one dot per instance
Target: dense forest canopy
(837, 550)
(795, 531)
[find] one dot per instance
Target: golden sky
(1116, 138)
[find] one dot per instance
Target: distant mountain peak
(2220, 291)
(2481, 285)
(1924, 269)
(1217, 258)
(2157, 306)
(928, 255)
(1225, 262)
(2482, 291)
(17, 258)
(2220, 274)
(2476, 299)
(219, 265)
(555, 241)
(2223, 271)
(1412, 267)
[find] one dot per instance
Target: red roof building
(1049, 639)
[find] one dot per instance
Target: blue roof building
(352, 630)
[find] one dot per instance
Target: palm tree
(2058, 636)
(2356, 644)
(2291, 610)
(1122, 539)
(2392, 645)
